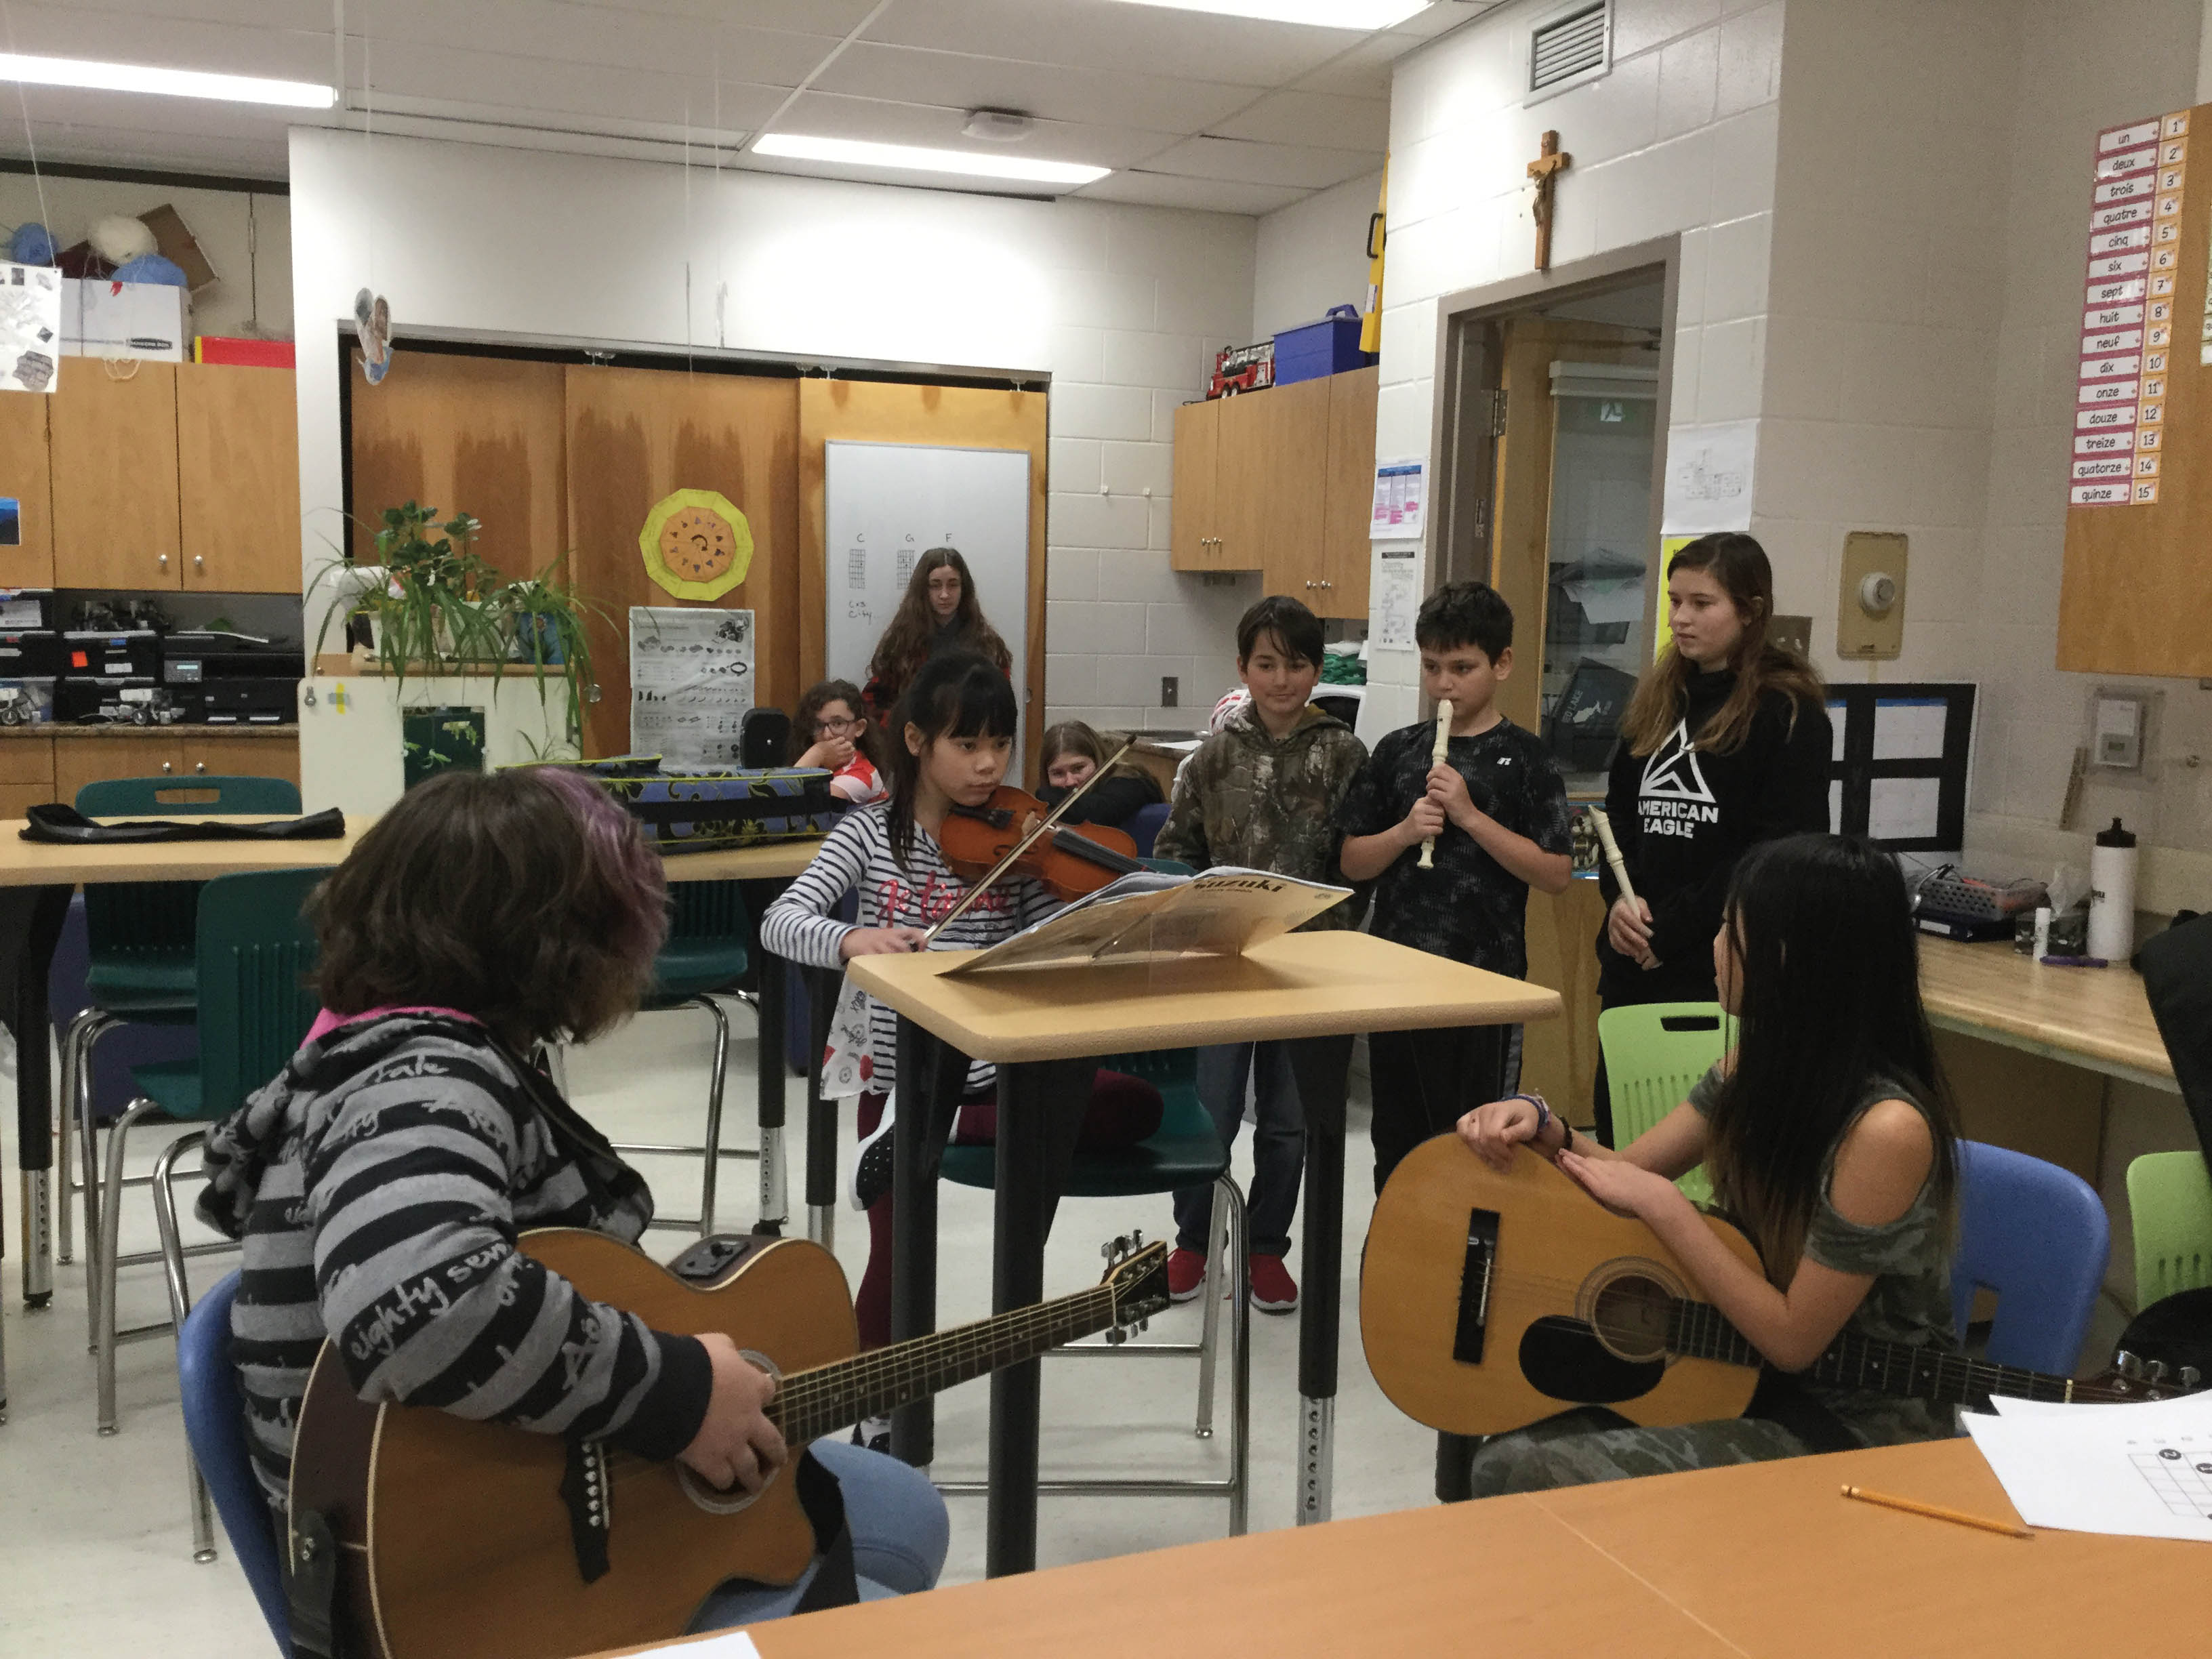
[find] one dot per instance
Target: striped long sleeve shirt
(856, 856)
(379, 1185)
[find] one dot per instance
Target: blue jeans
(899, 1530)
(1279, 1142)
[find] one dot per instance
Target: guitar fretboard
(812, 1403)
(1696, 1330)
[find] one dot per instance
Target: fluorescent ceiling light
(855, 152)
(1322, 14)
(177, 83)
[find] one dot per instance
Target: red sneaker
(1273, 1290)
(1186, 1275)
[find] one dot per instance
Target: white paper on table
(1709, 476)
(1910, 728)
(2107, 1471)
(730, 1644)
(30, 327)
(2181, 1409)
(1903, 809)
(1397, 598)
(690, 683)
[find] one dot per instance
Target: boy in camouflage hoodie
(1261, 793)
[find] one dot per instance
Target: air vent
(1569, 46)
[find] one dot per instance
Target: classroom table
(1044, 1028)
(36, 880)
(1760, 1561)
(2098, 1018)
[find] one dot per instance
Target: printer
(222, 678)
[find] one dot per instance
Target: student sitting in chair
(1073, 753)
(483, 916)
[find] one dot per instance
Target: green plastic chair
(2170, 1203)
(139, 935)
(252, 952)
(1653, 1056)
(707, 957)
(1185, 1151)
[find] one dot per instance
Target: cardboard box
(103, 318)
(175, 241)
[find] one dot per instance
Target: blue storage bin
(1327, 347)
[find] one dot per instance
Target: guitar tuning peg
(2128, 1365)
(1106, 1250)
(2191, 1377)
(2158, 1370)
(1115, 1336)
(1143, 1325)
(1136, 1239)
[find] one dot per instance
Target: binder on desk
(1150, 917)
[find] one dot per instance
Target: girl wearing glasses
(831, 720)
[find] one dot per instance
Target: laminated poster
(30, 327)
(691, 684)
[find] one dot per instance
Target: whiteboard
(885, 505)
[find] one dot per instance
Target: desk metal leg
(768, 976)
(821, 1115)
(1320, 1065)
(931, 1076)
(31, 921)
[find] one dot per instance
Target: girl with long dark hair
(1828, 1136)
(939, 613)
(1725, 745)
(950, 740)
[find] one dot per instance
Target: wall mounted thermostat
(2118, 722)
(1871, 605)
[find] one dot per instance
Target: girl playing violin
(952, 735)
(1828, 1136)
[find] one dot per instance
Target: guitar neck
(811, 1403)
(1696, 1330)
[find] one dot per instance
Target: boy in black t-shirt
(1497, 808)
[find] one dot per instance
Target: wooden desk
(1762, 1561)
(1044, 1028)
(2096, 1017)
(36, 880)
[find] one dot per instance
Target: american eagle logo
(1672, 774)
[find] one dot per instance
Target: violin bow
(1014, 853)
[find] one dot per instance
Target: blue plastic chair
(2037, 1235)
(1145, 825)
(214, 1429)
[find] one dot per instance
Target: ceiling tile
(1234, 159)
(542, 90)
(1443, 17)
(1362, 71)
(832, 17)
(1172, 190)
(527, 31)
(1108, 35)
(1312, 117)
(916, 75)
(882, 121)
(223, 48)
(1021, 187)
(312, 15)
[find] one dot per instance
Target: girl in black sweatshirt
(1726, 744)
(1072, 752)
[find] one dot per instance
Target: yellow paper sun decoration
(696, 544)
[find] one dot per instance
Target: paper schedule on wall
(1709, 477)
(690, 683)
(885, 505)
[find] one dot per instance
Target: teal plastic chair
(252, 953)
(706, 958)
(140, 936)
(1653, 1056)
(1184, 1151)
(2170, 1205)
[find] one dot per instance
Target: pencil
(1936, 1511)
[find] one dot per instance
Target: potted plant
(436, 607)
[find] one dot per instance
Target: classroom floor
(95, 1550)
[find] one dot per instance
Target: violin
(1071, 860)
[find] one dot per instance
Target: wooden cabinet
(181, 476)
(24, 478)
(1280, 482)
(242, 757)
(238, 479)
(179, 753)
(114, 468)
(27, 774)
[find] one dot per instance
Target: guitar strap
(835, 1585)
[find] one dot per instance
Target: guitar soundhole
(1630, 1316)
(1564, 1359)
(737, 1500)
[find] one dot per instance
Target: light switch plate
(1870, 610)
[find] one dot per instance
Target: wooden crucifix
(1544, 170)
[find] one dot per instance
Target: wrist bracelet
(1543, 1114)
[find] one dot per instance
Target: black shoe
(871, 1166)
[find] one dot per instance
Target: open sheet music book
(1149, 917)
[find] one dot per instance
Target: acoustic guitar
(1489, 1300)
(458, 1539)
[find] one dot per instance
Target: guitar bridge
(589, 1498)
(1474, 1280)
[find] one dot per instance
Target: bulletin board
(2139, 500)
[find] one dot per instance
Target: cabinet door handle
(198, 562)
(166, 766)
(164, 559)
(199, 766)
